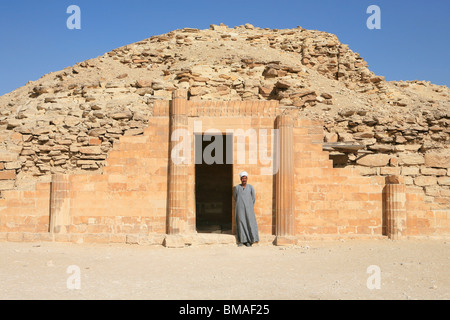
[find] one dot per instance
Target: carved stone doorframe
(180, 222)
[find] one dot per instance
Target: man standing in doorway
(246, 227)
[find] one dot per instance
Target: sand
(408, 269)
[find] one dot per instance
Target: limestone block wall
(332, 200)
(342, 201)
(414, 146)
(129, 199)
(130, 196)
(9, 165)
(25, 211)
(423, 218)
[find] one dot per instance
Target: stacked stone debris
(68, 121)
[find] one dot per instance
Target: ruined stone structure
(85, 152)
(147, 191)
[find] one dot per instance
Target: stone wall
(128, 201)
(76, 128)
(415, 146)
(341, 199)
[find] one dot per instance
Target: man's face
(244, 180)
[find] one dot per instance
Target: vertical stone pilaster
(59, 203)
(285, 219)
(395, 197)
(177, 210)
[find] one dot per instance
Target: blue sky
(413, 42)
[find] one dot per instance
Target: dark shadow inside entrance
(213, 183)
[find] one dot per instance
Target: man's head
(244, 177)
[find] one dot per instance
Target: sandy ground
(409, 269)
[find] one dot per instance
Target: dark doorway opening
(213, 183)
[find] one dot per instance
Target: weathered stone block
(433, 172)
(390, 170)
(285, 241)
(134, 132)
(6, 156)
(144, 83)
(197, 91)
(410, 159)
(445, 181)
(374, 160)
(7, 174)
(432, 191)
(15, 236)
(92, 150)
(410, 171)
(174, 241)
(409, 180)
(367, 171)
(425, 181)
(438, 159)
(97, 132)
(13, 165)
(122, 115)
(381, 147)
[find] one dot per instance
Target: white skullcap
(243, 173)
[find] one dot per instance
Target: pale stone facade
(144, 196)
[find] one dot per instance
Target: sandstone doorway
(213, 183)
